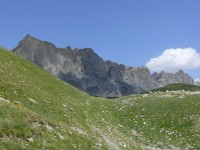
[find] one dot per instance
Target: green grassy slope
(38, 111)
(178, 86)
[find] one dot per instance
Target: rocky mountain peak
(69, 47)
(28, 36)
(31, 43)
(164, 78)
(29, 39)
(87, 71)
(88, 50)
(181, 72)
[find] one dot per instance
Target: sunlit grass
(42, 112)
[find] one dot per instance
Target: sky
(159, 34)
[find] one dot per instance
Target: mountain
(84, 69)
(197, 83)
(39, 111)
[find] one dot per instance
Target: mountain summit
(84, 69)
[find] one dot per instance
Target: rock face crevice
(84, 69)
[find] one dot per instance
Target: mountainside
(87, 71)
(39, 111)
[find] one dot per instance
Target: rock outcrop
(197, 83)
(164, 78)
(84, 69)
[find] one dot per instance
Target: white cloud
(172, 60)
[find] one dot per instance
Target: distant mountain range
(84, 69)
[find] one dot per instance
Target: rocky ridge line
(84, 69)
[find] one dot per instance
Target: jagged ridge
(84, 69)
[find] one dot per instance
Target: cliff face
(87, 71)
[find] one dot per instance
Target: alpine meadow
(39, 111)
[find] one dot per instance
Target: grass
(178, 86)
(46, 113)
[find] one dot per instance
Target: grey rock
(197, 83)
(84, 69)
(164, 78)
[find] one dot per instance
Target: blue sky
(129, 32)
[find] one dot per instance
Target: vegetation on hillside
(38, 111)
(178, 86)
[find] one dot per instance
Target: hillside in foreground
(39, 111)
